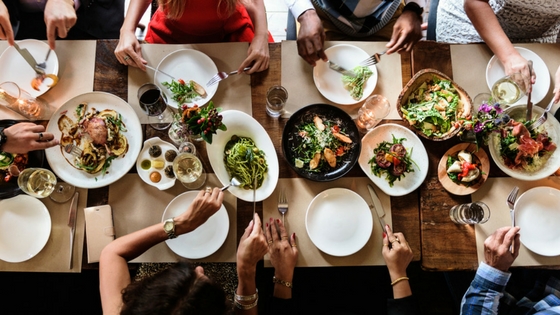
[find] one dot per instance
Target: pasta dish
(245, 161)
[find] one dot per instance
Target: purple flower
(484, 107)
(498, 109)
(478, 127)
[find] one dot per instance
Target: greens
(356, 84)
(391, 159)
(245, 161)
(183, 92)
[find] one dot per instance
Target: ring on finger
(208, 190)
(284, 238)
(269, 242)
(294, 245)
(126, 57)
(395, 240)
(40, 136)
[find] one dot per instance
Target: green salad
(356, 84)
(185, 92)
(391, 159)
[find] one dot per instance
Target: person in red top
(198, 21)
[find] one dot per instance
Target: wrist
(306, 15)
(397, 274)
(286, 276)
(415, 8)
(245, 271)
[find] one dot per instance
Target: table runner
(300, 192)
(76, 67)
(137, 205)
(494, 193)
(297, 78)
(232, 93)
(55, 256)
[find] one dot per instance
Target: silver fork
(511, 204)
(72, 149)
(283, 203)
(222, 75)
(373, 59)
(541, 120)
(340, 69)
(43, 65)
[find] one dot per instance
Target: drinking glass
(189, 171)
(37, 182)
(21, 102)
(276, 98)
(509, 89)
(470, 213)
(154, 104)
(375, 108)
(62, 192)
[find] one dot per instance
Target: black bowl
(325, 112)
(10, 189)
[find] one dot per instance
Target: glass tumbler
(21, 102)
(276, 98)
(470, 213)
(375, 108)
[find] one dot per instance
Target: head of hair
(175, 291)
(175, 8)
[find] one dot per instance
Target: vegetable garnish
(462, 169)
(245, 161)
(392, 159)
(185, 92)
(356, 84)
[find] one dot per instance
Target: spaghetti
(245, 161)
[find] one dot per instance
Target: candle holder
(21, 102)
(375, 108)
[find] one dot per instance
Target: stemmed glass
(62, 192)
(154, 104)
(40, 183)
(21, 102)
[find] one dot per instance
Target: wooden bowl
(419, 78)
(458, 189)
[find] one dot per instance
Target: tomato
(335, 129)
(340, 151)
(466, 167)
(181, 81)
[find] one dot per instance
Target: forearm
(283, 291)
(246, 286)
(134, 13)
(401, 288)
(257, 12)
(483, 296)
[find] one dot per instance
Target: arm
(257, 55)
(556, 90)
(128, 43)
(407, 30)
(6, 31)
(25, 136)
(113, 268)
(60, 16)
(311, 35)
(486, 24)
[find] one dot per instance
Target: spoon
(234, 182)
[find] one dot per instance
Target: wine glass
(154, 104)
(37, 182)
(509, 89)
(189, 170)
(62, 192)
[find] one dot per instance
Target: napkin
(233, 93)
(55, 256)
(76, 69)
(297, 78)
(137, 205)
(300, 193)
(494, 193)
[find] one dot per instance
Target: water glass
(276, 98)
(189, 170)
(509, 89)
(470, 213)
(21, 102)
(375, 108)
(37, 182)
(154, 103)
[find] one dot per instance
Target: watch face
(168, 226)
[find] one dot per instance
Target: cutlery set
(511, 204)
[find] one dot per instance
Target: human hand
(6, 31)
(282, 249)
(496, 248)
(258, 56)
(60, 17)
(204, 205)
(25, 136)
(129, 51)
(406, 32)
(252, 247)
(517, 64)
(556, 90)
(396, 252)
(311, 37)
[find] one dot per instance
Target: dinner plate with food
(522, 153)
(106, 130)
(244, 151)
(342, 89)
(394, 158)
(191, 70)
(155, 163)
(463, 169)
(17, 70)
(321, 142)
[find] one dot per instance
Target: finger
(257, 227)
(46, 144)
(500, 234)
(385, 249)
(274, 230)
(293, 243)
(268, 232)
(283, 233)
(389, 232)
(510, 236)
(47, 136)
(516, 246)
(249, 229)
(51, 36)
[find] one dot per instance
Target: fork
(283, 203)
(72, 149)
(340, 69)
(223, 75)
(373, 59)
(511, 204)
(43, 65)
(541, 120)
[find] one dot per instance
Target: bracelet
(245, 306)
(414, 7)
(399, 280)
(247, 297)
(282, 282)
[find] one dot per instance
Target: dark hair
(176, 291)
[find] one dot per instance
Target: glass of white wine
(189, 170)
(509, 89)
(37, 182)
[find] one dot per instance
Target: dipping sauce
(159, 164)
(155, 177)
(146, 164)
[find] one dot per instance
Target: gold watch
(169, 228)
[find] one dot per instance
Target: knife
(254, 197)
(377, 206)
(30, 60)
(529, 103)
(72, 216)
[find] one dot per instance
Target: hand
(258, 56)
(203, 206)
(396, 252)
(60, 17)
(556, 90)
(406, 32)
(25, 136)
(311, 37)
(516, 63)
(252, 247)
(6, 31)
(496, 248)
(282, 249)
(129, 51)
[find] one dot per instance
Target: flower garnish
(203, 121)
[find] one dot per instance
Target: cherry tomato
(181, 81)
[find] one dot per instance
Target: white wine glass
(189, 171)
(37, 182)
(62, 192)
(509, 89)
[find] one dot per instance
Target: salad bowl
(433, 126)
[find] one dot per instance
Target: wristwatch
(169, 228)
(3, 138)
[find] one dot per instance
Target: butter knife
(72, 217)
(377, 206)
(529, 103)
(28, 58)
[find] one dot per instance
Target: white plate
(25, 227)
(495, 71)
(243, 125)
(206, 239)
(552, 126)
(119, 166)
(536, 213)
(329, 82)
(16, 69)
(339, 222)
(419, 155)
(187, 64)
(165, 182)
